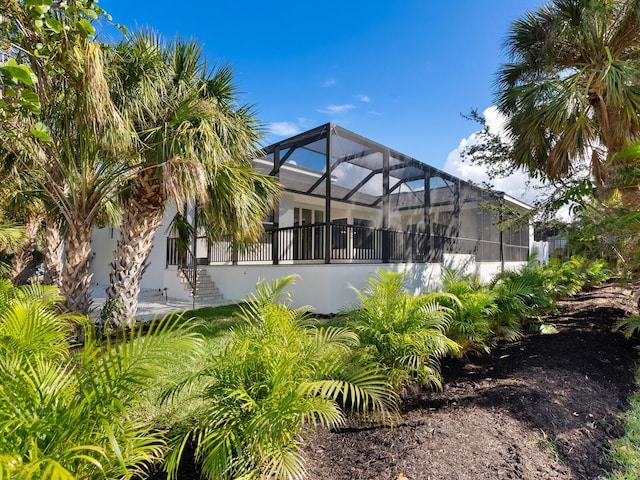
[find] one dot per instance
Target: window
(339, 233)
(362, 234)
(308, 239)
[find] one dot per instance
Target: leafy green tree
(276, 381)
(403, 332)
(36, 37)
(195, 144)
(571, 90)
(66, 413)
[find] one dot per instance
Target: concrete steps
(206, 289)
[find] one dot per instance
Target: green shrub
(534, 277)
(470, 325)
(65, 415)
(629, 326)
(513, 299)
(522, 295)
(276, 379)
(403, 332)
(597, 272)
(625, 451)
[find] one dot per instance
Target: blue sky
(398, 71)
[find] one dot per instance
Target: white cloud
(284, 129)
(329, 82)
(518, 185)
(337, 108)
(363, 98)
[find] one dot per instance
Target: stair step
(205, 288)
(208, 291)
(215, 297)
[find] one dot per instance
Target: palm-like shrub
(534, 277)
(520, 296)
(470, 325)
(566, 278)
(513, 301)
(629, 325)
(596, 272)
(63, 415)
(563, 278)
(403, 332)
(277, 378)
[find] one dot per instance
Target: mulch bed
(544, 407)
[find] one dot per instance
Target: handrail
(188, 269)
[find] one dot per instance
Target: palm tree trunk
(142, 218)
(76, 277)
(22, 263)
(54, 250)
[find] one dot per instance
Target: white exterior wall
(324, 288)
(286, 210)
(542, 250)
(103, 243)
(487, 270)
(327, 288)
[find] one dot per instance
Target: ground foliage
(543, 407)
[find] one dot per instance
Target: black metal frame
(349, 243)
(439, 194)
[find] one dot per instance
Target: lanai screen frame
(334, 147)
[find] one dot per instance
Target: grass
(215, 322)
(625, 451)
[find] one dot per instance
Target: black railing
(174, 254)
(349, 243)
(189, 271)
(184, 260)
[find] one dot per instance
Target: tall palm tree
(75, 151)
(571, 90)
(193, 136)
(82, 164)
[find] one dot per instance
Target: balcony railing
(348, 243)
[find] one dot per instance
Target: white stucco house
(350, 206)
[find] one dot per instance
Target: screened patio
(348, 199)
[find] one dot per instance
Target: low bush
(276, 379)
(566, 278)
(499, 309)
(470, 325)
(65, 413)
(625, 451)
(403, 332)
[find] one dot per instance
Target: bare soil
(544, 407)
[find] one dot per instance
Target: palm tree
(82, 165)
(75, 151)
(195, 145)
(571, 90)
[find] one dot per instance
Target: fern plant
(629, 325)
(470, 325)
(403, 332)
(64, 415)
(278, 378)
